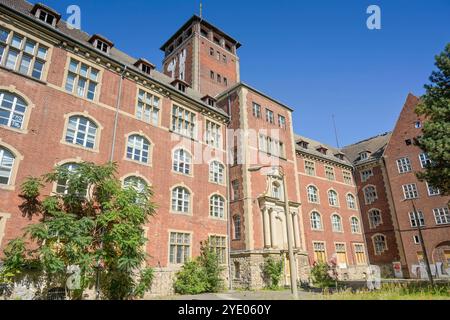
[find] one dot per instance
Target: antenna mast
(335, 132)
(201, 9)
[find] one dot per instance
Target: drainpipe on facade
(116, 119)
(230, 218)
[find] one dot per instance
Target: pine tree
(435, 106)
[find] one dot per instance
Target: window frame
(221, 177)
(184, 245)
(77, 75)
(152, 107)
(215, 207)
(149, 162)
(313, 222)
(188, 161)
(21, 53)
(189, 200)
(333, 224)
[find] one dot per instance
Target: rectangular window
(410, 191)
(329, 173)
(416, 239)
(256, 110)
(270, 116)
(432, 191)
(212, 75)
(404, 165)
(82, 79)
(148, 107)
(341, 254)
(319, 252)
(360, 254)
(282, 122)
(213, 134)
(310, 168)
(235, 187)
(347, 177)
(271, 146)
(183, 122)
(23, 55)
(180, 248)
(424, 160)
(416, 219)
(366, 174)
(442, 216)
(219, 246)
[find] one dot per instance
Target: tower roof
(196, 18)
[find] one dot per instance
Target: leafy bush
(320, 274)
(104, 229)
(202, 275)
(273, 270)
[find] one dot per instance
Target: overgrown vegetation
(202, 275)
(92, 223)
(321, 275)
(435, 106)
(393, 291)
(273, 271)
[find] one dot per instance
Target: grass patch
(410, 291)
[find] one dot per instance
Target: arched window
(81, 131)
(375, 218)
(316, 221)
(6, 165)
(182, 161)
(181, 198)
(138, 149)
(379, 243)
(237, 227)
(276, 190)
(351, 201)
(216, 172)
(63, 185)
(217, 207)
(313, 194)
(12, 110)
(355, 225)
(370, 194)
(336, 223)
(333, 198)
(137, 183)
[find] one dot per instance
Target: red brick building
(330, 209)
(67, 97)
(387, 183)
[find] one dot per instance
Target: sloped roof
(375, 145)
(24, 7)
(314, 145)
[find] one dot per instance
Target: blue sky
(316, 56)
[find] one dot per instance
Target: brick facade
(254, 130)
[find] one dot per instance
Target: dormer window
(102, 46)
(340, 156)
(180, 85)
(46, 17)
(303, 144)
(209, 100)
(322, 150)
(101, 43)
(364, 155)
(144, 65)
(46, 14)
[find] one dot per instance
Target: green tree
(95, 223)
(435, 106)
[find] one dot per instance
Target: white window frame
(333, 198)
(16, 118)
(442, 216)
(216, 172)
(182, 162)
(8, 168)
(88, 136)
(410, 191)
(336, 225)
(316, 221)
(181, 200)
(404, 165)
(140, 144)
(217, 207)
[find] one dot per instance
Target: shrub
(273, 270)
(202, 275)
(320, 274)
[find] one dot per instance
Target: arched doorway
(441, 258)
